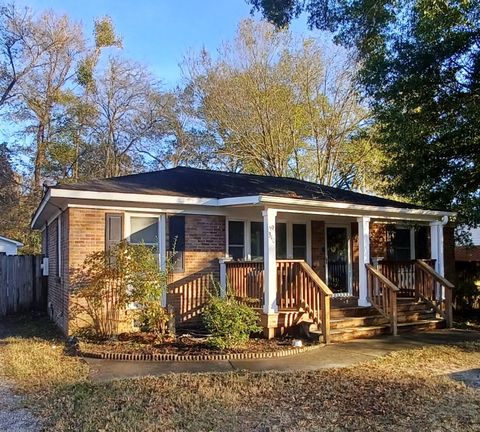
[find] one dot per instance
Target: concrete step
(363, 332)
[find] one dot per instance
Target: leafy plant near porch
(230, 322)
(110, 281)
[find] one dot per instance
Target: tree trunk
(39, 158)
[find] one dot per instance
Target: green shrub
(110, 280)
(230, 322)
(154, 317)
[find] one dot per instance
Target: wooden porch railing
(299, 288)
(428, 287)
(382, 293)
(245, 281)
(402, 274)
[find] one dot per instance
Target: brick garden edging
(192, 357)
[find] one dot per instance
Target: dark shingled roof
(192, 182)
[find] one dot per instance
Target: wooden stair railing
(402, 274)
(428, 287)
(300, 288)
(382, 294)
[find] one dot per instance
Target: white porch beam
(270, 262)
(363, 258)
(436, 246)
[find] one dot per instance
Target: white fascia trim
(16, 243)
(239, 201)
(153, 210)
(131, 197)
(345, 206)
(42, 205)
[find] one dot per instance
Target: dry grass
(32, 354)
(401, 392)
(35, 363)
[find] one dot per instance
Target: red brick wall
(204, 245)
(378, 240)
(58, 283)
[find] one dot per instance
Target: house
(296, 251)
(470, 253)
(467, 266)
(9, 246)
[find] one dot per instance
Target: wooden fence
(22, 286)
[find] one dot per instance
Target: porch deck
(407, 295)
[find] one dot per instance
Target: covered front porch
(294, 263)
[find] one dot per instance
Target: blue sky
(159, 33)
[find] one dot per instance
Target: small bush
(155, 318)
(110, 280)
(230, 322)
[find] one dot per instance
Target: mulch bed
(183, 345)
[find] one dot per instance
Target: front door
(337, 259)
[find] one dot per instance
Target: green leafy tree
(420, 68)
(109, 281)
(279, 106)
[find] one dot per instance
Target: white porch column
(436, 245)
(223, 275)
(270, 263)
(363, 258)
(162, 249)
(436, 248)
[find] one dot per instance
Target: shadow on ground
(471, 377)
(32, 325)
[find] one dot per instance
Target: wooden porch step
(368, 311)
(345, 334)
(374, 320)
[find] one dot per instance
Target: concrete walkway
(336, 355)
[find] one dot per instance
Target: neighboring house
(9, 246)
(469, 253)
(275, 241)
(467, 264)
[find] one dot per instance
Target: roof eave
(267, 199)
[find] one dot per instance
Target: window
(398, 244)
(113, 229)
(256, 240)
(144, 230)
(236, 239)
(421, 243)
(281, 240)
(58, 251)
(299, 233)
(176, 242)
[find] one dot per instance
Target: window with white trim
(144, 230)
(236, 239)
(398, 243)
(299, 239)
(256, 240)
(281, 240)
